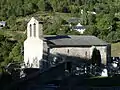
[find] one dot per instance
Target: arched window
(68, 51)
(86, 54)
(34, 30)
(30, 30)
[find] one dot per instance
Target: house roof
(78, 27)
(2, 22)
(73, 40)
(74, 20)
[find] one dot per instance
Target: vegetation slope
(103, 23)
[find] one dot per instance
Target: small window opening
(34, 30)
(30, 30)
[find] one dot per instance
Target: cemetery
(65, 75)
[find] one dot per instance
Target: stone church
(38, 46)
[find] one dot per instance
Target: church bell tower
(33, 45)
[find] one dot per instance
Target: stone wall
(82, 52)
(103, 52)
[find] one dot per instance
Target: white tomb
(104, 73)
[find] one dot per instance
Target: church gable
(34, 29)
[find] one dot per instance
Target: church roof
(73, 40)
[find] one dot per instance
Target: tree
(11, 21)
(41, 5)
(92, 30)
(48, 6)
(112, 37)
(15, 54)
(96, 57)
(29, 8)
(6, 47)
(91, 19)
(54, 4)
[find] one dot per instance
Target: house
(74, 47)
(74, 20)
(89, 12)
(80, 28)
(2, 24)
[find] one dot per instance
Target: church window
(34, 30)
(68, 51)
(30, 30)
(86, 54)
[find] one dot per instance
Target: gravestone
(104, 73)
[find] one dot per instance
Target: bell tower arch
(34, 29)
(33, 45)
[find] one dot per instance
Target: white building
(80, 28)
(71, 47)
(33, 45)
(89, 12)
(2, 24)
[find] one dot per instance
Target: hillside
(100, 18)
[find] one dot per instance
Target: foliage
(100, 18)
(5, 48)
(15, 54)
(106, 12)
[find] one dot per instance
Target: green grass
(65, 16)
(115, 49)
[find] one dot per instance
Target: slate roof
(74, 20)
(78, 27)
(73, 40)
(2, 24)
